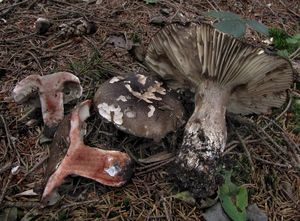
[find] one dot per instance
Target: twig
(293, 146)
(4, 189)
(155, 167)
(168, 217)
(22, 204)
(33, 169)
(272, 163)
(94, 45)
(295, 54)
(36, 60)
(286, 108)
(11, 7)
(6, 167)
(62, 44)
(79, 203)
(209, 2)
(289, 9)
(7, 136)
(246, 150)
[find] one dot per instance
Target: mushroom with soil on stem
(50, 92)
(112, 168)
(139, 105)
(226, 74)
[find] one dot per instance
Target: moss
(280, 40)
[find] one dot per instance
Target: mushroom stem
(205, 133)
(52, 108)
(112, 168)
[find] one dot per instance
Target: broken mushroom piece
(226, 75)
(50, 92)
(112, 168)
(139, 105)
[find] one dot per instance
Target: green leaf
(185, 196)
(283, 53)
(242, 198)
(292, 41)
(259, 27)
(223, 15)
(236, 28)
(234, 199)
(297, 36)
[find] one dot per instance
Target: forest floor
(264, 153)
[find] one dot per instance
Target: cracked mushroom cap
(49, 92)
(108, 167)
(188, 55)
(139, 105)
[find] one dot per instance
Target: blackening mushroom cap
(50, 92)
(112, 168)
(188, 55)
(140, 105)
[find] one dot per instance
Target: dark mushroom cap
(188, 55)
(139, 105)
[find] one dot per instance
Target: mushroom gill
(226, 74)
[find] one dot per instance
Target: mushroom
(139, 105)
(226, 74)
(112, 168)
(50, 92)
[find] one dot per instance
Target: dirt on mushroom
(272, 185)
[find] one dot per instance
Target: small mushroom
(42, 26)
(140, 105)
(50, 92)
(112, 168)
(226, 75)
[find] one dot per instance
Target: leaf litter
(148, 195)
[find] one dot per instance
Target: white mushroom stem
(205, 132)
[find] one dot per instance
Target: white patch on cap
(130, 114)
(122, 98)
(115, 79)
(111, 113)
(113, 170)
(151, 112)
(142, 79)
(149, 94)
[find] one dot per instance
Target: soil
(262, 152)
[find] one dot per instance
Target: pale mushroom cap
(50, 92)
(187, 55)
(31, 86)
(139, 105)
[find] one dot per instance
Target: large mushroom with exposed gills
(225, 74)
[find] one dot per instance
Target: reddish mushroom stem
(52, 108)
(205, 133)
(112, 168)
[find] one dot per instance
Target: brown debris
(149, 195)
